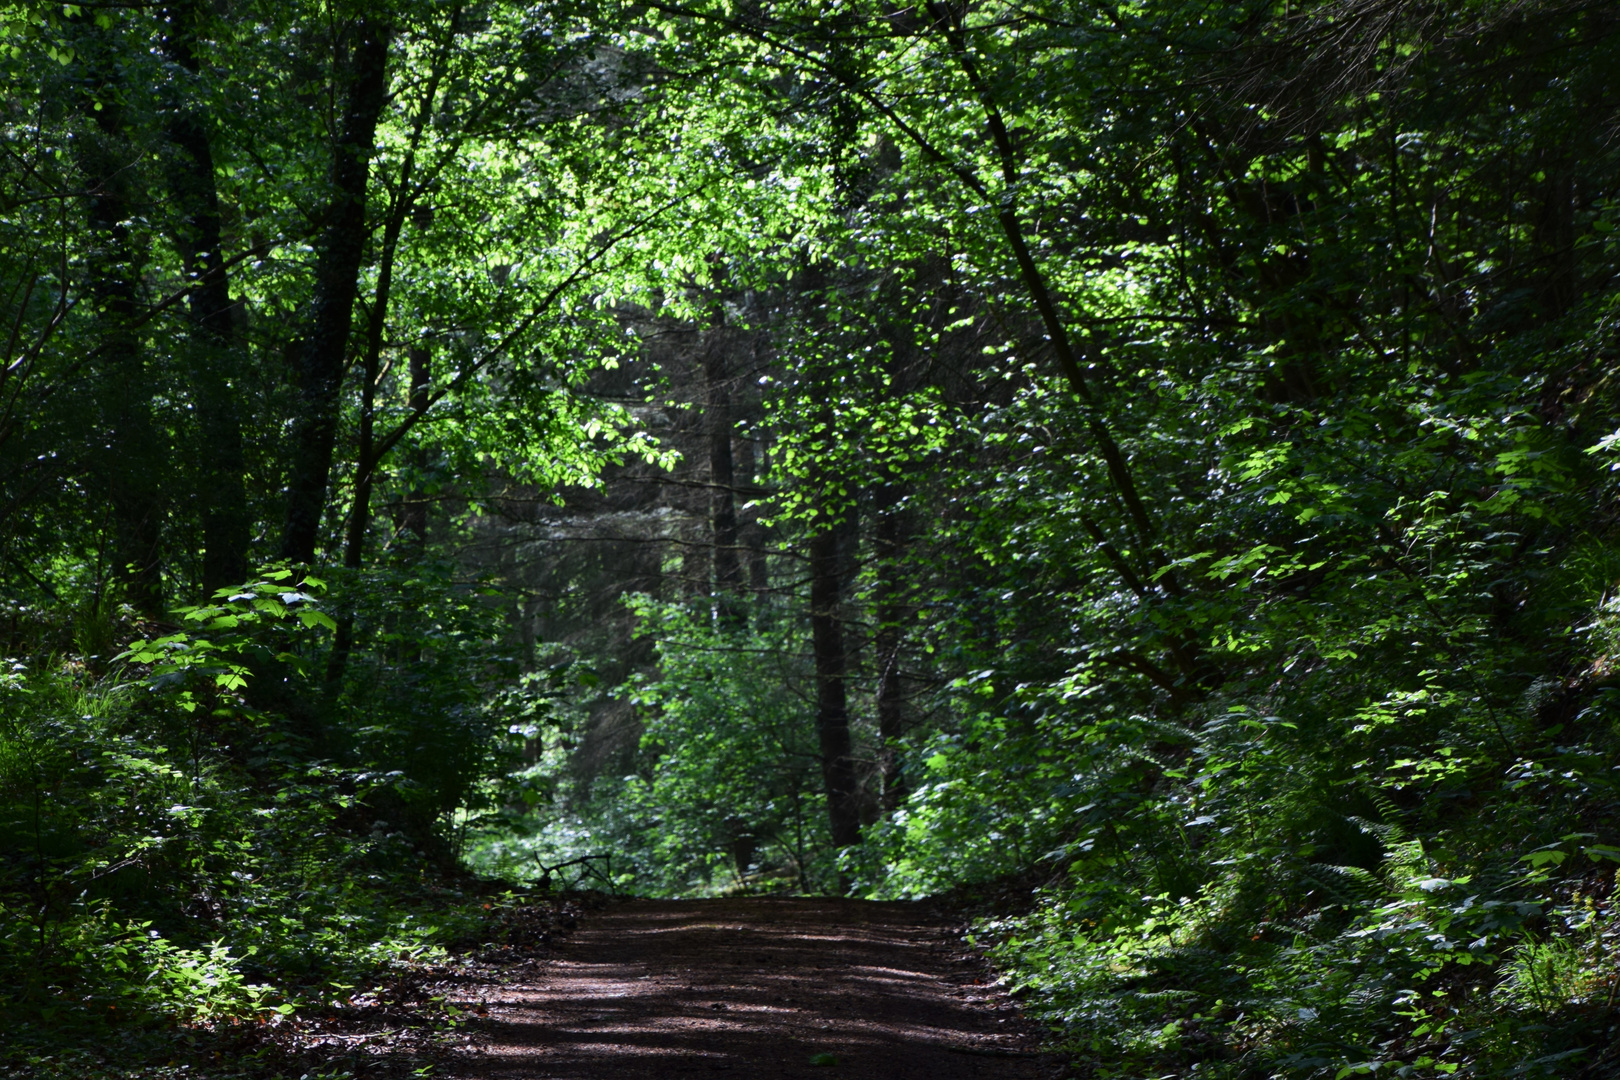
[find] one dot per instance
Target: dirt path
(768, 988)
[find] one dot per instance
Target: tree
(227, 524)
(324, 349)
(115, 262)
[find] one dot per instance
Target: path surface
(753, 988)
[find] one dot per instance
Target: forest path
(754, 987)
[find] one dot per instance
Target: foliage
(730, 794)
(1172, 446)
(1249, 366)
(176, 866)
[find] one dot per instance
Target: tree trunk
(414, 514)
(320, 374)
(227, 528)
(890, 542)
(723, 498)
(125, 463)
(832, 708)
(750, 532)
(697, 558)
(368, 456)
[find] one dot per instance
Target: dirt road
(757, 987)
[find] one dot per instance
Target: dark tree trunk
(354, 545)
(832, 708)
(342, 246)
(890, 536)
(126, 455)
(697, 562)
(723, 497)
(227, 526)
(694, 575)
(413, 516)
(368, 456)
(848, 529)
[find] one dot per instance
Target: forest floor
(754, 987)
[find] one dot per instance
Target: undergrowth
(192, 874)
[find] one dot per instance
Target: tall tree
(889, 611)
(216, 353)
(123, 464)
(339, 255)
(722, 481)
(832, 671)
(750, 532)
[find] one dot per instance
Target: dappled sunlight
(645, 984)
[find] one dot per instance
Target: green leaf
(317, 618)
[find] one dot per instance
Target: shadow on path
(754, 987)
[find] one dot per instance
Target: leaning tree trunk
(222, 493)
(337, 268)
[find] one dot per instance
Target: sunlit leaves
(222, 643)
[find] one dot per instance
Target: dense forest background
(1155, 458)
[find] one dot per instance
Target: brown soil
(757, 987)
